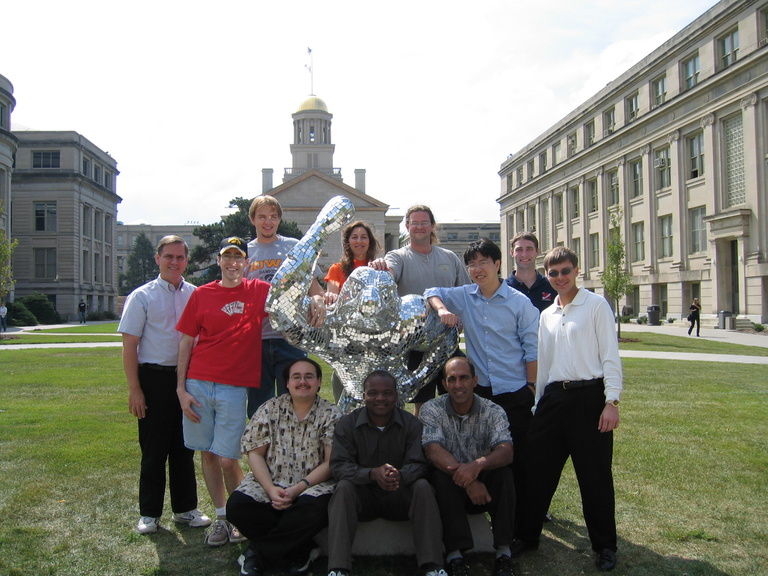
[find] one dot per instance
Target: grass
(690, 465)
(651, 341)
(44, 338)
(100, 328)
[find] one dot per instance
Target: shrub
(104, 315)
(670, 320)
(42, 308)
(642, 319)
(758, 327)
(19, 315)
(624, 319)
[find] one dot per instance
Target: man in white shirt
(150, 352)
(578, 386)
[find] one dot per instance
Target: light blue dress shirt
(501, 332)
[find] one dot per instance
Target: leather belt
(575, 384)
(158, 367)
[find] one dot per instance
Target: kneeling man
(381, 472)
(467, 439)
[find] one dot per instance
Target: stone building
(456, 236)
(8, 145)
(679, 143)
(312, 180)
(63, 212)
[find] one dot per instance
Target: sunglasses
(556, 273)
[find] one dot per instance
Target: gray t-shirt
(265, 259)
(415, 272)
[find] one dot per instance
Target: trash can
(654, 312)
(721, 319)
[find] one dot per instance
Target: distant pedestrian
(82, 308)
(695, 316)
(3, 314)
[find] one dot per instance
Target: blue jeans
(221, 418)
(276, 356)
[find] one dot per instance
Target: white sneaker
(437, 572)
(193, 518)
(147, 525)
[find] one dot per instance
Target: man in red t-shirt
(225, 317)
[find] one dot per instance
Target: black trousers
(162, 440)
(454, 504)
(517, 405)
(279, 534)
(565, 424)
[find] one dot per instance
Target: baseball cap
(233, 242)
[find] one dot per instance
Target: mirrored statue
(370, 327)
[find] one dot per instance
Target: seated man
(283, 502)
(467, 439)
(380, 468)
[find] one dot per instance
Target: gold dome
(313, 103)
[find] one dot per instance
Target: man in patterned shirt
(467, 439)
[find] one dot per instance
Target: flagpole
(310, 67)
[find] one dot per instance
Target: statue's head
(369, 301)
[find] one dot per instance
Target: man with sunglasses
(578, 387)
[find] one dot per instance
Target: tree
(41, 308)
(141, 265)
(6, 271)
(202, 258)
(617, 282)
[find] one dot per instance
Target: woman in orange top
(360, 247)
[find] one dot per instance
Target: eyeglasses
(424, 224)
(556, 273)
(232, 257)
(300, 377)
(481, 264)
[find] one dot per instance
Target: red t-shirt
(336, 275)
(227, 323)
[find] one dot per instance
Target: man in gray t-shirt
(421, 265)
(266, 253)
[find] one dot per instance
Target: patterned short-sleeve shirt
(466, 437)
(295, 447)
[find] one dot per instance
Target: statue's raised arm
(288, 302)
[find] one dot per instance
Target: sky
(193, 99)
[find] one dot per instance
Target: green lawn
(669, 343)
(46, 338)
(691, 474)
(102, 328)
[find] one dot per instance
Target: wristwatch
(613, 403)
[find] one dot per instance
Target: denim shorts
(222, 418)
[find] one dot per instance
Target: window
(696, 155)
(121, 240)
(86, 266)
(632, 107)
(735, 182)
(589, 133)
(107, 270)
(612, 179)
(45, 216)
(108, 229)
(698, 229)
(87, 167)
(46, 159)
(99, 228)
(544, 231)
(663, 169)
(636, 173)
(311, 134)
(495, 236)
(87, 229)
(510, 183)
(559, 209)
(594, 245)
(520, 221)
(97, 173)
(532, 218)
(556, 153)
(572, 142)
(473, 236)
(542, 162)
(520, 176)
(453, 235)
(690, 69)
(659, 90)
(531, 169)
(574, 202)
(45, 263)
(592, 195)
(107, 179)
(638, 235)
(609, 121)
(3, 121)
(665, 226)
(97, 269)
(576, 247)
(728, 48)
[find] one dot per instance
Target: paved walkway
(675, 329)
